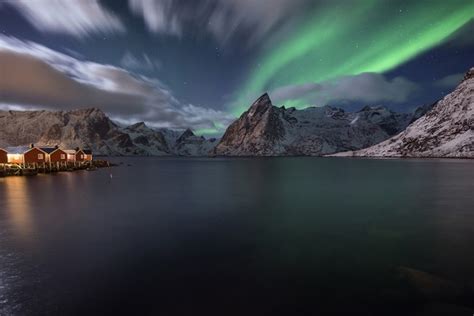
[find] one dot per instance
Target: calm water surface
(289, 236)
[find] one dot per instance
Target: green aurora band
(353, 37)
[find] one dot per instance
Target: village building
(83, 155)
(88, 154)
(71, 155)
(55, 154)
(3, 156)
(48, 151)
(58, 155)
(35, 155)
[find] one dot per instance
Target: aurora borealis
(376, 37)
(200, 64)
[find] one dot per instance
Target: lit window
(82, 156)
(63, 156)
(40, 156)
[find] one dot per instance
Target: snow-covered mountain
(266, 130)
(91, 128)
(445, 131)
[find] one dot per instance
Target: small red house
(54, 154)
(83, 155)
(58, 155)
(3, 156)
(88, 154)
(80, 156)
(35, 155)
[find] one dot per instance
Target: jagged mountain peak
(138, 126)
(186, 134)
(469, 74)
(262, 104)
(264, 98)
(87, 112)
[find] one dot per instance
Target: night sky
(199, 64)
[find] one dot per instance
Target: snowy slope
(445, 131)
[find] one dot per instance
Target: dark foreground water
(290, 236)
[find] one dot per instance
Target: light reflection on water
(18, 203)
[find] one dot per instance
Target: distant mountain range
(91, 128)
(267, 130)
(444, 129)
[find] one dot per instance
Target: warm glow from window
(63, 156)
(40, 156)
(15, 158)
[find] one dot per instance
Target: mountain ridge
(92, 128)
(267, 130)
(446, 131)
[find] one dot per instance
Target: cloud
(259, 17)
(73, 17)
(366, 87)
(144, 62)
(39, 77)
(159, 15)
(223, 19)
(450, 81)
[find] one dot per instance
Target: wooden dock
(13, 169)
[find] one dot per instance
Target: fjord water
(293, 236)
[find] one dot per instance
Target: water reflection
(212, 232)
(17, 203)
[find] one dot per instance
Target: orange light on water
(17, 203)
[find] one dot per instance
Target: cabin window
(40, 156)
(63, 156)
(82, 156)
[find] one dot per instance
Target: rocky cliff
(266, 130)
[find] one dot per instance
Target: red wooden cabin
(35, 156)
(3, 156)
(83, 155)
(58, 155)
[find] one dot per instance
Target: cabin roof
(69, 151)
(87, 151)
(18, 150)
(47, 150)
(3, 150)
(57, 149)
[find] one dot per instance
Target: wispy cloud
(159, 15)
(449, 81)
(43, 78)
(79, 18)
(143, 62)
(223, 19)
(366, 87)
